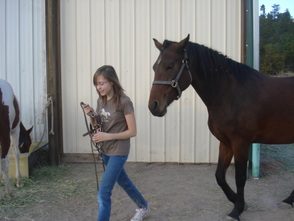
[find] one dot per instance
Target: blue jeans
(114, 172)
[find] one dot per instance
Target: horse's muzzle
(154, 108)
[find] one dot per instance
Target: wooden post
(54, 80)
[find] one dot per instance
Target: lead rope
(90, 133)
(50, 104)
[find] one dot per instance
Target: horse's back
(261, 111)
(6, 93)
(275, 113)
(8, 104)
(279, 92)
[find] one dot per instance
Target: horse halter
(175, 83)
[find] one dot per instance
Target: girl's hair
(109, 73)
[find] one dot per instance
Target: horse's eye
(170, 67)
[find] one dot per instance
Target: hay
(45, 182)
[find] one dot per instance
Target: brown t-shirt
(114, 121)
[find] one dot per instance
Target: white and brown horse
(11, 128)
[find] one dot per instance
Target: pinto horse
(244, 105)
(11, 126)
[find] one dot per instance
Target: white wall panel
(233, 22)
(187, 101)
(83, 64)
(119, 33)
(157, 125)
(69, 78)
(23, 59)
(3, 39)
(142, 83)
(127, 65)
(26, 54)
(13, 47)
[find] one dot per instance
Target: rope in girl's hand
(98, 148)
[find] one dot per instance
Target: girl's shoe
(140, 214)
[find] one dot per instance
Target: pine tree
(276, 41)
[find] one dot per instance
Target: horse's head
(25, 140)
(172, 75)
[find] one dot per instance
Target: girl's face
(104, 87)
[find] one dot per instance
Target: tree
(275, 12)
(262, 9)
(276, 41)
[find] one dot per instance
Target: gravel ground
(176, 192)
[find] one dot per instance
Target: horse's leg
(16, 153)
(241, 157)
(290, 199)
(1, 174)
(5, 167)
(5, 144)
(224, 160)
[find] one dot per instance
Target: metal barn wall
(23, 59)
(120, 32)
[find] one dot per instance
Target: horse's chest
(221, 126)
(214, 127)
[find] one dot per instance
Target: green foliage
(276, 41)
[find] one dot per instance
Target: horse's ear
(30, 130)
(157, 44)
(184, 42)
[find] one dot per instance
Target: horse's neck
(214, 81)
(208, 82)
(206, 92)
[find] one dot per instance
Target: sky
(284, 4)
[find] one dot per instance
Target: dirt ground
(175, 193)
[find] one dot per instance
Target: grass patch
(47, 184)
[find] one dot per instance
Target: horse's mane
(213, 64)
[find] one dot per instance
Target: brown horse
(11, 126)
(244, 105)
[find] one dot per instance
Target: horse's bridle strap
(172, 83)
(175, 83)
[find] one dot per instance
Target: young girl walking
(116, 112)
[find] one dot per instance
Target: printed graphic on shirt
(104, 115)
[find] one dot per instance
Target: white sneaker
(140, 213)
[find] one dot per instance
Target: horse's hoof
(232, 219)
(284, 205)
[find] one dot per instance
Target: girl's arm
(130, 132)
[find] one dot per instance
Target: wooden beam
(79, 158)
(54, 80)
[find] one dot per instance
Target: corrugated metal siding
(120, 32)
(23, 58)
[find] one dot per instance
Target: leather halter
(175, 83)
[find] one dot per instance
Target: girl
(116, 111)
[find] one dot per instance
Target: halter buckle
(174, 83)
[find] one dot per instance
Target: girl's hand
(88, 110)
(100, 137)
